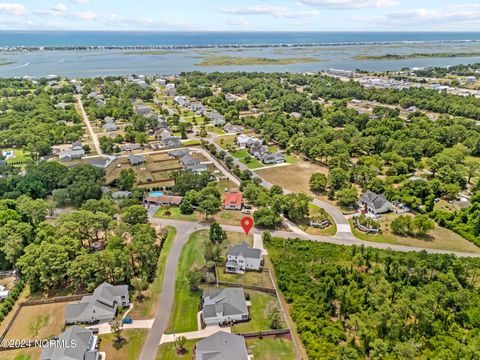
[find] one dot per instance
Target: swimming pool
(156, 193)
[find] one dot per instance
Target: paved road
(343, 226)
(86, 120)
(167, 296)
(339, 240)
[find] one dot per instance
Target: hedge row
(8, 303)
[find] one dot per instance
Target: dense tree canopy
(356, 303)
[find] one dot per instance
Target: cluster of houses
(109, 124)
(76, 152)
(188, 162)
(258, 150)
(167, 139)
(197, 107)
(138, 80)
(228, 305)
(99, 100)
(101, 306)
(371, 82)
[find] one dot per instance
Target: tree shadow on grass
(425, 237)
(118, 344)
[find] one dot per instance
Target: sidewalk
(209, 330)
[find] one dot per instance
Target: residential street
(167, 295)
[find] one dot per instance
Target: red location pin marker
(247, 224)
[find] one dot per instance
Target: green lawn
(271, 349)
(130, 350)
(329, 231)
(192, 142)
(168, 351)
(214, 129)
(147, 308)
(249, 278)
(184, 314)
(175, 214)
(225, 217)
(260, 304)
(252, 162)
(439, 238)
(21, 157)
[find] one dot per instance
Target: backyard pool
(156, 193)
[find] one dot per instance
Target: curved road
(167, 296)
(344, 236)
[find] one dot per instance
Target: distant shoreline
(35, 48)
(417, 56)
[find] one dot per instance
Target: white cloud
(81, 2)
(13, 9)
(458, 14)
(349, 4)
(115, 20)
(84, 15)
(236, 21)
(61, 8)
(276, 11)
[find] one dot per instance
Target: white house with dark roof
(242, 140)
(241, 257)
(101, 306)
(224, 305)
(375, 203)
(221, 346)
(75, 343)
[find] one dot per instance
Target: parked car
(246, 211)
(127, 320)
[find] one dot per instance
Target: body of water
(330, 49)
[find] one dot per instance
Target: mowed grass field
(249, 278)
(38, 322)
(295, 177)
(225, 217)
(155, 168)
(185, 308)
(21, 354)
(439, 238)
(271, 349)
(260, 304)
(130, 350)
(168, 351)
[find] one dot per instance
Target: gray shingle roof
(227, 301)
(136, 159)
(99, 306)
(222, 346)
(81, 351)
(244, 250)
(373, 200)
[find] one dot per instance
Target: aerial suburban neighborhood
(241, 215)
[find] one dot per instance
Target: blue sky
(244, 15)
